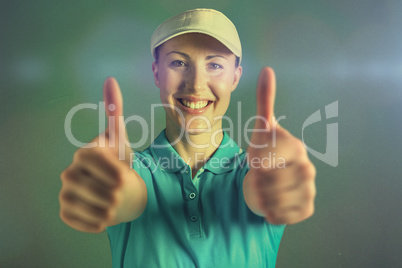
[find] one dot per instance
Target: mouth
(194, 105)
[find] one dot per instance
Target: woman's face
(196, 75)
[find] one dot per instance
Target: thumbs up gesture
(100, 188)
(284, 192)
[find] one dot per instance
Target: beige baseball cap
(200, 20)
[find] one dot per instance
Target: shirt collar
(225, 157)
(223, 160)
(165, 155)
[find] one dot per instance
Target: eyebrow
(187, 56)
(214, 56)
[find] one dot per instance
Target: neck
(195, 149)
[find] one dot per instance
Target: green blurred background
(55, 55)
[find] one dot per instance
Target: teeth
(194, 105)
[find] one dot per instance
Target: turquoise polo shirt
(200, 222)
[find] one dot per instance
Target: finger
(284, 151)
(89, 189)
(74, 204)
(77, 223)
(295, 198)
(301, 200)
(276, 182)
(290, 214)
(107, 169)
(266, 89)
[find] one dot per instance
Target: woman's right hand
(100, 188)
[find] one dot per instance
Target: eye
(215, 66)
(178, 63)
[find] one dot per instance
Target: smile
(194, 105)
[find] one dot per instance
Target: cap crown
(200, 20)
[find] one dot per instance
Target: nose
(197, 79)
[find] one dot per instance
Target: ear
(237, 75)
(156, 73)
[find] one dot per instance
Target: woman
(193, 198)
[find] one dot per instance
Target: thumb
(113, 105)
(116, 131)
(112, 97)
(266, 89)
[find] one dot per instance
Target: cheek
(223, 86)
(170, 81)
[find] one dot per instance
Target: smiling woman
(212, 204)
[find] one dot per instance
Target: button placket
(191, 200)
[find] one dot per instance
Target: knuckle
(78, 155)
(309, 211)
(311, 171)
(61, 199)
(67, 198)
(299, 148)
(69, 176)
(66, 174)
(64, 217)
(63, 196)
(311, 193)
(308, 171)
(61, 215)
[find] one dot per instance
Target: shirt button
(194, 218)
(191, 196)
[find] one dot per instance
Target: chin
(196, 130)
